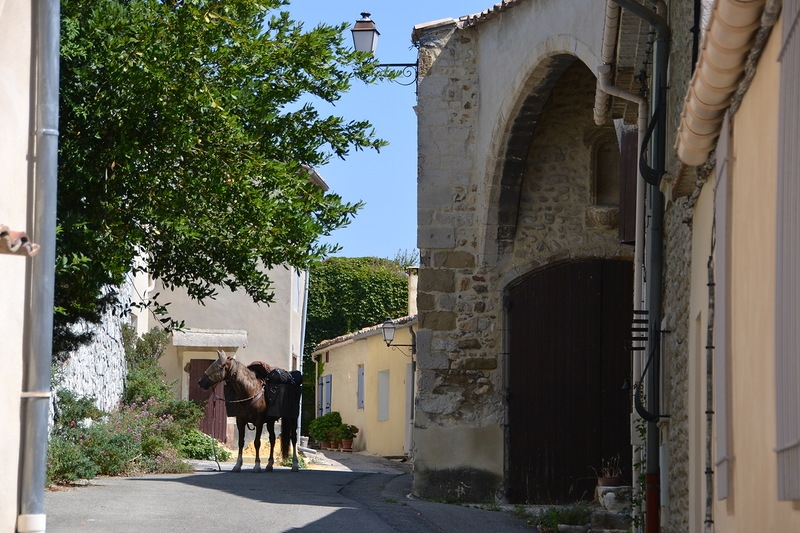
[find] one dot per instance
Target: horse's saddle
(260, 369)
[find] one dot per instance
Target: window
(383, 395)
(298, 290)
(602, 211)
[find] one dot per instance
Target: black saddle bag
(278, 389)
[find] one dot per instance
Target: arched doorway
(569, 332)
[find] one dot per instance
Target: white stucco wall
(15, 62)
(273, 332)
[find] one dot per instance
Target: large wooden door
(570, 326)
(215, 420)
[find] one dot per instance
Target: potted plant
(319, 429)
(335, 437)
(347, 433)
(610, 473)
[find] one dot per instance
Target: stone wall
(460, 403)
(677, 286)
(99, 369)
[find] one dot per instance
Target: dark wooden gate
(570, 326)
(214, 422)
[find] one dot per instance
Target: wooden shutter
(787, 297)
(629, 150)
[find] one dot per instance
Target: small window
(606, 183)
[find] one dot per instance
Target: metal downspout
(654, 253)
(40, 283)
(303, 343)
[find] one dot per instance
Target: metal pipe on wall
(40, 279)
(654, 252)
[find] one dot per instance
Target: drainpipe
(654, 251)
(303, 343)
(40, 282)
(604, 83)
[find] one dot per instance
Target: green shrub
(67, 462)
(577, 514)
(321, 427)
(140, 436)
(195, 444)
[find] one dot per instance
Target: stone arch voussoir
(515, 130)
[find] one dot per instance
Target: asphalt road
(340, 492)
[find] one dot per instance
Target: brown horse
(259, 401)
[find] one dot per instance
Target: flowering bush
(142, 435)
(133, 439)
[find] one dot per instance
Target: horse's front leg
(257, 444)
(241, 425)
(271, 431)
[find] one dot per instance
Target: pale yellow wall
(15, 90)
(342, 365)
(753, 505)
(378, 437)
(701, 248)
(387, 437)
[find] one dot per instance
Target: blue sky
(385, 181)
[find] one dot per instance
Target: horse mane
(246, 375)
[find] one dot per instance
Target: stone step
(610, 521)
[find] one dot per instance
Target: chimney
(413, 274)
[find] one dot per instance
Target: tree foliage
(187, 129)
(346, 294)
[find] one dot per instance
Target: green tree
(346, 294)
(187, 131)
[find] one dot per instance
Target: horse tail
(289, 423)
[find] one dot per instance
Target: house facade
(231, 322)
(371, 385)
(523, 201)
(741, 348)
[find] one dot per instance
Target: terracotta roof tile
(16, 242)
(479, 18)
(365, 332)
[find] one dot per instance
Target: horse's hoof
(237, 469)
(295, 469)
(269, 468)
(256, 469)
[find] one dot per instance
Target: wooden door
(570, 325)
(215, 420)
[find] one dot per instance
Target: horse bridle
(219, 368)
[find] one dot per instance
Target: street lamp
(365, 39)
(388, 327)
